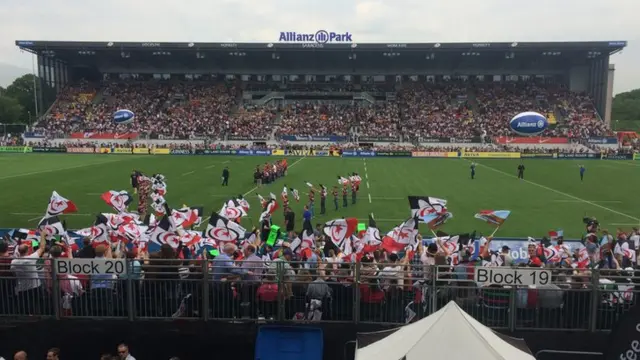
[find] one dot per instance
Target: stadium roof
(603, 46)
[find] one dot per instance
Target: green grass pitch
(550, 197)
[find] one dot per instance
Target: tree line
(17, 101)
(626, 106)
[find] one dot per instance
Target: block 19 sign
(91, 266)
(512, 276)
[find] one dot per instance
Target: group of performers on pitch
(270, 172)
(351, 182)
(154, 188)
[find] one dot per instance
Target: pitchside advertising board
(15, 149)
(491, 155)
(349, 153)
(37, 149)
(603, 140)
(587, 156)
(91, 266)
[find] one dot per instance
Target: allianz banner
(394, 153)
(81, 150)
(259, 152)
(579, 156)
(331, 138)
(615, 157)
(15, 149)
(539, 156)
(602, 140)
(49, 149)
(349, 153)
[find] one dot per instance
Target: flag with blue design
(435, 220)
(494, 217)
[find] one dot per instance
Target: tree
(10, 110)
(22, 90)
(626, 106)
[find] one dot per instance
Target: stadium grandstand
(168, 280)
(364, 92)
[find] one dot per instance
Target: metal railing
(301, 292)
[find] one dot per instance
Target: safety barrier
(515, 298)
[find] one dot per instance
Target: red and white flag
(340, 231)
(401, 236)
(59, 205)
(118, 200)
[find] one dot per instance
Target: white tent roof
(448, 334)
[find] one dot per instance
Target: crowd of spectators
(420, 110)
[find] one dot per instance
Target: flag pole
(495, 231)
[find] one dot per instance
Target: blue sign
(528, 123)
(519, 247)
(330, 138)
(602, 140)
(348, 153)
(32, 135)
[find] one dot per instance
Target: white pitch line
(58, 169)
(366, 176)
(563, 193)
(369, 198)
(226, 162)
(367, 184)
(595, 201)
(210, 166)
(188, 173)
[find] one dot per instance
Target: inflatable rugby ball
(528, 123)
(123, 116)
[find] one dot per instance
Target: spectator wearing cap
(505, 252)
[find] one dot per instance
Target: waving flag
(51, 227)
(296, 195)
(222, 230)
(401, 236)
(100, 231)
(342, 180)
(191, 238)
(157, 204)
(495, 217)
(372, 235)
(421, 206)
(340, 231)
(270, 207)
(130, 232)
(305, 241)
(118, 200)
(435, 220)
(164, 233)
(244, 204)
(309, 184)
(263, 201)
(249, 238)
(59, 205)
(554, 234)
(187, 216)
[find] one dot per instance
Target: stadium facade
(582, 66)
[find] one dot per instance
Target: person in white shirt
(28, 285)
(123, 352)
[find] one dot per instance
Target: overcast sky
(367, 20)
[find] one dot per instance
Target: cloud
(368, 20)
